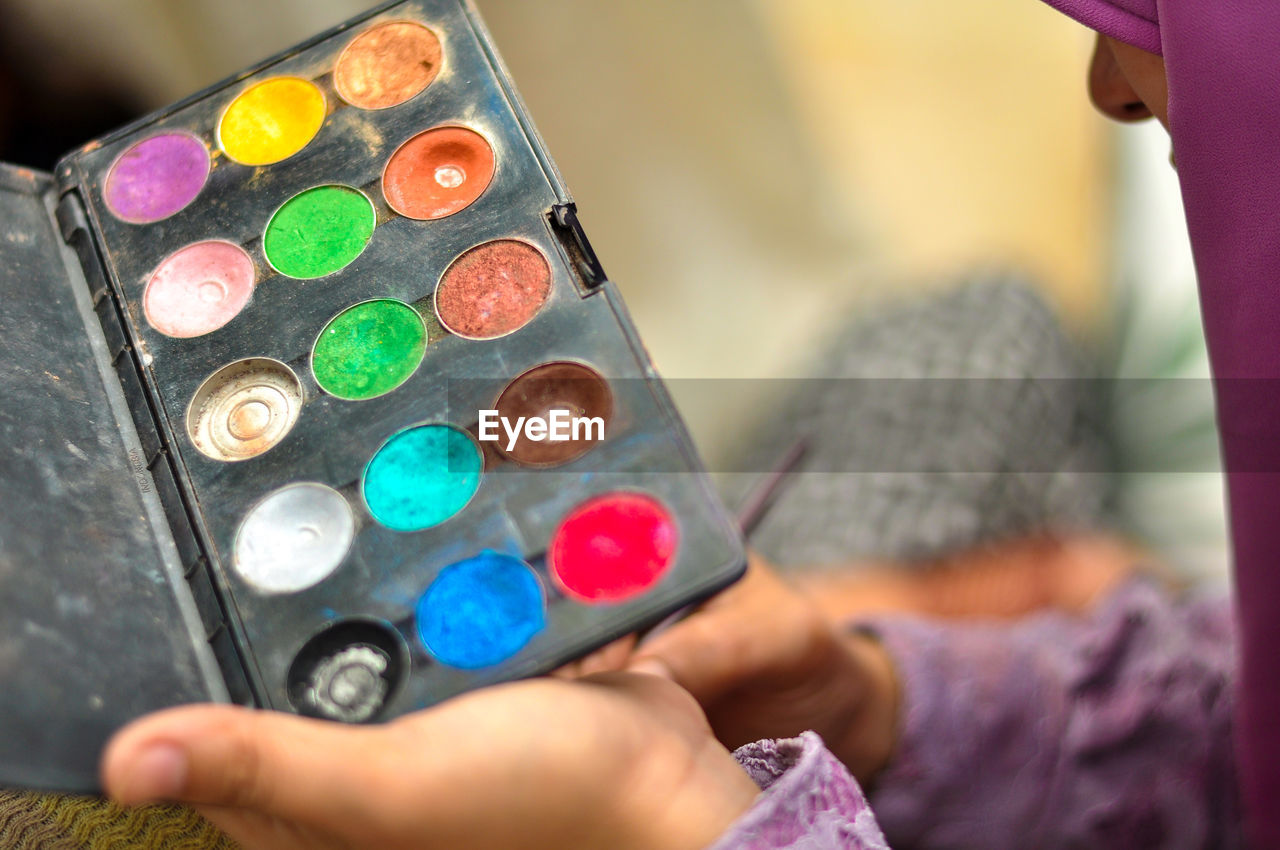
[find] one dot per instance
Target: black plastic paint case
(118, 594)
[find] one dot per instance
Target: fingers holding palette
(341, 277)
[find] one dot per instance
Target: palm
(519, 765)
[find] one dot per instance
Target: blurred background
(758, 174)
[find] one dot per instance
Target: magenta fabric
(1223, 62)
(1131, 21)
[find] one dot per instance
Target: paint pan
(422, 477)
(579, 392)
(482, 611)
(244, 409)
(438, 173)
(156, 178)
(369, 349)
(493, 289)
(348, 671)
(319, 231)
(271, 121)
(198, 289)
(294, 539)
(387, 64)
(613, 547)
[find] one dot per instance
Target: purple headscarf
(1223, 64)
(1134, 22)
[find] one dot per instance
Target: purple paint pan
(156, 178)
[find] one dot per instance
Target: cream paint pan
(323, 404)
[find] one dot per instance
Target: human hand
(616, 761)
(1004, 579)
(764, 662)
(608, 659)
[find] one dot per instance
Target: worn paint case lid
(97, 625)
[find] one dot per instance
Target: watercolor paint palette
(323, 404)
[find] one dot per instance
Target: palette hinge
(227, 653)
(566, 226)
(73, 224)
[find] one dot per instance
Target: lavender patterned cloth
(810, 802)
(1055, 732)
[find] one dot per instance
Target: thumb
(277, 764)
(750, 633)
(704, 654)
